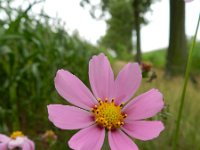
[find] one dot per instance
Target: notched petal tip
(162, 127)
(69, 117)
(145, 105)
(89, 138)
(118, 140)
(59, 71)
(127, 82)
(101, 76)
(144, 130)
(161, 97)
(72, 89)
(101, 55)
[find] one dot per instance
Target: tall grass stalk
(182, 99)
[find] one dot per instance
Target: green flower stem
(106, 143)
(188, 68)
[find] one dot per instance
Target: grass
(171, 89)
(158, 57)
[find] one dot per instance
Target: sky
(154, 35)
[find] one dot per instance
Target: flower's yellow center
(16, 134)
(108, 114)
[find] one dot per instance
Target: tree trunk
(135, 6)
(177, 52)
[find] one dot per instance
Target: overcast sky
(154, 35)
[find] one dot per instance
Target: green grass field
(189, 132)
(157, 58)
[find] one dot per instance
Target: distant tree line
(127, 17)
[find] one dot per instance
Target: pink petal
(143, 130)
(4, 138)
(144, 106)
(127, 82)
(101, 77)
(28, 145)
(120, 141)
(73, 90)
(90, 138)
(3, 146)
(31, 144)
(4, 142)
(69, 117)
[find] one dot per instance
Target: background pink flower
(17, 140)
(108, 109)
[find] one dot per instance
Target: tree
(177, 52)
(138, 9)
(120, 26)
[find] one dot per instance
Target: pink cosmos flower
(16, 140)
(108, 109)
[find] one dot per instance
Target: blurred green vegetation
(158, 58)
(32, 49)
(171, 90)
(121, 23)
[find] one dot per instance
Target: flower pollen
(108, 114)
(16, 134)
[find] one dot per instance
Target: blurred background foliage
(127, 17)
(119, 33)
(34, 46)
